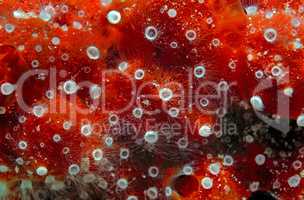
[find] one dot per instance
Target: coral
(154, 99)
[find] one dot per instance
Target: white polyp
(64, 8)
(297, 44)
(187, 170)
(7, 88)
(300, 120)
(132, 197)
(216, 42)
(165, 94)
(173, 45)
(38, 48)
(105, 2)
(172, 13)
(151, 33)
(86, 130)
(44, 15)
(168, 191)
(70, 87)
(207, 183)
(41, 171)
(249, 139)
(122, 183)
(113, 119)
(55, 41)
(232, 64)
(97, 154)
(123, 66)
(114, 17)
(205, 130)
(268, 14)
(250, 57)
(95, 92)
(288, 91)
(22, 145)
(109, 141)
(21, 48)
(124, 153)
(276, 184)
(259, 74)
(260, 159)
(270, 35)
(65, 28)
(137, 112)
(295, 22)
(190, 35)
(67, 125)
(56, 138)
(294, 181)
(74, 169)
(276, 71)
(277, 58)
(257, 103)
(151, 137)
(251, 10)
(153, 171)
(228, 160)
(65, 57)
(35, 63)
(50, 94)
(20, 14)
(297, 164)
(204, 102)
(139, 74)
(254, 186)
(77, 25)
(182, 143)
(209, 20)
(39, 110)
(199, 71)
(93, 53)
(173, 112)
(66, 150)
(9, 28)
(19, 161)
(152, 193)
(214, 168)
(223, 86)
